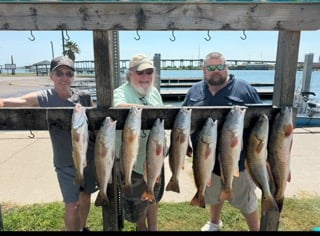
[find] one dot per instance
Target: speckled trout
(80, 140)
(104, 158)
(179, 141)
(279, 152)
(231, 143)
(204, 159)
(256, 162)
(130, 145)
(156, 152)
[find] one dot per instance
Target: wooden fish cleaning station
(105, 19)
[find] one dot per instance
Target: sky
(258, 45)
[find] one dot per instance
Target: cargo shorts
(134, 207)
(245, 198)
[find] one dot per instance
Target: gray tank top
(61, 135)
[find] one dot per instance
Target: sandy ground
(27, 173)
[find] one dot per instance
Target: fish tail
(198, 201)
(127, 189)
(148, 196)
(79, 180)
(227, 195)
(101, 200)
(173, 185)
(280, 203)
(268, 204)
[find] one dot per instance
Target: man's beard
(216, 80)
(142, 91)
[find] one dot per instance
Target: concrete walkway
(27, 172)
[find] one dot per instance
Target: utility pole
(62, 37)
(52, 52)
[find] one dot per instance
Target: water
(252, 76)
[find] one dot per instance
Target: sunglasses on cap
(60, 73)
(214, 67)
(147, 71)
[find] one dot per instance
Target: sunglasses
(214, 67)
(68, 74)
(147, 71)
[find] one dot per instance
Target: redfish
(256, 162)
(130, 145)
(204, 159)
(156, 152)
(80, 140)
(279, 152)
(104, 158)
(179, 142)
(231, 143)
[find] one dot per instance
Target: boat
(308, 111)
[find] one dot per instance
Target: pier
(87, 67)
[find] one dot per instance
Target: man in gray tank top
(77, 199)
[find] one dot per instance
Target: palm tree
(71, 48)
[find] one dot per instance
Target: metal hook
(209, 37)
(138, 36)
(67, 37)
(244, 34)
(33, 38)
(32, 134)
(174, 38)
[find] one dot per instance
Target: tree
(71, 48)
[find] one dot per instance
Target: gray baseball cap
(61, 61)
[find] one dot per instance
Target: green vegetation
(299, 214)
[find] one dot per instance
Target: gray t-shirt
(59, 133)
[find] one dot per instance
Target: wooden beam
(159, 16)
(39, 118)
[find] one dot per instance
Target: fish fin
(289, 176)
(288, 130)
(198, 201)
(208, 152)
(268, 204)
(189, 149)
(145, 176)
(226, 195)
(148, 196)
(159, 149)
(158, 180)
(173, 186)
(209, 182)
(127, 189)
(236, 172)
(182, 138)
(259, 147)
(234, 141)
(101, 201)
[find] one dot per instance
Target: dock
(175, 89)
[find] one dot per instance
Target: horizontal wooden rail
(48, 15)
(39, 118)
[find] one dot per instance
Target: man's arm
(27, 100)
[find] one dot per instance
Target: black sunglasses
(214, 67)
(60, 73)
(147, 71)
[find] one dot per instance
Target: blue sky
(259, 45)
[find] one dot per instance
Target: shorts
(245, 198)
(134, 207)
(70, 191)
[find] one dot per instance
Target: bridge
(87, 67)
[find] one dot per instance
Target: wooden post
(157, 65)
(307, 70)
